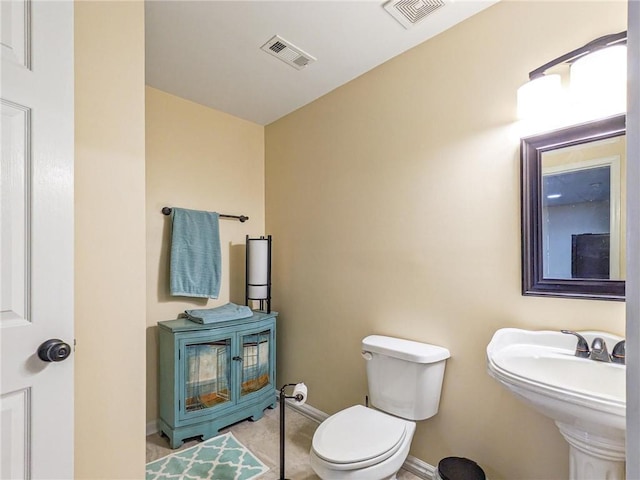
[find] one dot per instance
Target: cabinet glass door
(207, 374)
(256, 362)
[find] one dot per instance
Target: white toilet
(360, 443)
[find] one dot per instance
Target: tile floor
(263, 439)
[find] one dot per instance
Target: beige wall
(394, 205)
(201, 159)
(109, 240)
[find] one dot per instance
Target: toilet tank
(404, 377)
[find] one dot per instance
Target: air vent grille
(411, 12)
(287, 52)
(277, 47)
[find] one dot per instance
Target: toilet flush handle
(367, 355)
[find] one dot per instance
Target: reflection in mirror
(581, 210)
(573, 224)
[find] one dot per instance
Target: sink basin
(585, 398)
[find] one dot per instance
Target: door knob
(54, 350)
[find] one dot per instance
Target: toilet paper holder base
(299, 398)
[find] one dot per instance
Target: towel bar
(242, 218)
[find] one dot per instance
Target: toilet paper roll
(300, 391)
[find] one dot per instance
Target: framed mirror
(573, 217)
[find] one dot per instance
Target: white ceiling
(209, 51)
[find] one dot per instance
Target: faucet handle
(619, 352)
(599, 350)
(582, 348)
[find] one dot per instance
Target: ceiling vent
(411, 12)
(288, 53)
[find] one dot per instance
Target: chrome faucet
(619, 352)
(599, 350)
(582, 348)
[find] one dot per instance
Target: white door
(36, 239)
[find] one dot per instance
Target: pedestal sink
(585, 398)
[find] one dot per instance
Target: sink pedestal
(592, 457)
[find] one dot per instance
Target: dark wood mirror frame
(531, 150)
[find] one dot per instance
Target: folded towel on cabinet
(230, 311)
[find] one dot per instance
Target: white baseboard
(412, 464)
(308, 411)
(419, 468)
(152, 427)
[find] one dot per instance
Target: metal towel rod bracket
(242, 218)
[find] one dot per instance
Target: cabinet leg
(173, 441)
(256, 416)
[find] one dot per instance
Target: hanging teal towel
(230, 311)
(195, 254)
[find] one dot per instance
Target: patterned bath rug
(219, 458)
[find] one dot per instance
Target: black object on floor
(458, 468)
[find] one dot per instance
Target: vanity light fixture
(554, 195)
(540, 96)
(597, 82)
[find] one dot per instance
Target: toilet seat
(358, 437)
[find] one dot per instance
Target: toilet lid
(358, 435)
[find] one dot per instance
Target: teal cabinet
(213, 375)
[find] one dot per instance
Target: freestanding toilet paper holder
(299, 398)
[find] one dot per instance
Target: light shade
(540, 97)
(599, 83)
(258, 271)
